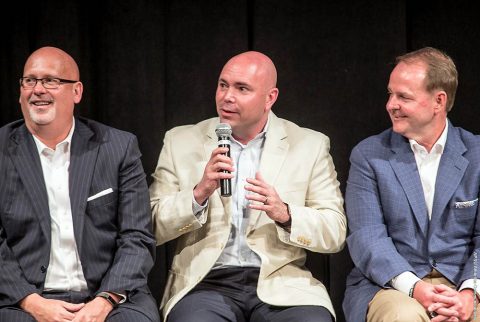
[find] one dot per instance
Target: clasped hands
(444, 303)
(49, 310)
(264, 196)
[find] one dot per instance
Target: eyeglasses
(47, 82)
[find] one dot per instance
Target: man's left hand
(267, 199)
(95, 310)
(448, 301)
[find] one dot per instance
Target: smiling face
(245, 94)
(52, 108)
(415, 112)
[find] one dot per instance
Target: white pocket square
(466, 204)
(100, 194)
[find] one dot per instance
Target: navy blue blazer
(389, 228)
(112, 232)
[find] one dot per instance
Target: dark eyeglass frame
(44, 81)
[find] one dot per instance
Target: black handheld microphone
(224, 132)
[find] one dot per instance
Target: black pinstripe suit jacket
(112, 232)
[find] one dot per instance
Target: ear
(440, 101)
(271, 98)
(77, 92)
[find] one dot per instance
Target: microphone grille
(223, 129)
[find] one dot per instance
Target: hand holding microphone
(224, 132)
(218, 169)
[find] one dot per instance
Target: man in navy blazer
(75, 225)
(412, 204)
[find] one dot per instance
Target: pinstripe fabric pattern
(120, 314)
(113, 232)
(390, 232)
(15, 315)
(123, 314)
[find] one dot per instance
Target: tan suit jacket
(296, 161)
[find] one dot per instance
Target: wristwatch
(109, 298)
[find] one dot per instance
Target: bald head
(245, 94)
(48, 107)
(64, 63)
(259, 64)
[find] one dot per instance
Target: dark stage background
(148, 66)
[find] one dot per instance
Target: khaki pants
(390, 305)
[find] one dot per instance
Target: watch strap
(109, 298)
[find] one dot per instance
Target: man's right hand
(212, 174)
(424, 293)
(46, 310)
(427, 295)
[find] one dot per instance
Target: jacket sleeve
(13, 284)
(171, 204)
(318, 221)
(370, 245)
(19, 229)
(135, 244)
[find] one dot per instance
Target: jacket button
(43, 269)
(434, 263)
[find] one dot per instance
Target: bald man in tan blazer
(241, 258)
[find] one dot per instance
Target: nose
(392, 103)
(39, 88)
(229, 95)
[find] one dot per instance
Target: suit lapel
(211, 141)
(26, 160)
(450, 171)
(405, 168)
(83, 156)
(273, 157)
(274, 152)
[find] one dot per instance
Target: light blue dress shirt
(246, 158)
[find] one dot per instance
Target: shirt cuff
(470, 284)
(123, 297)
(404, 282)
(199, 210)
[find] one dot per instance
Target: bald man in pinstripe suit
(75, 227)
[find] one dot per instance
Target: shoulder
(10, 128)
(298, 134)
(101, 132)
(14, 132)
(465, 143)
(192, 131)
(379, 148)
(378, 143)
(469, 139)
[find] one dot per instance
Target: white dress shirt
(427, 165)
(64, 272)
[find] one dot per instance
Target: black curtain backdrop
(148, 66)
